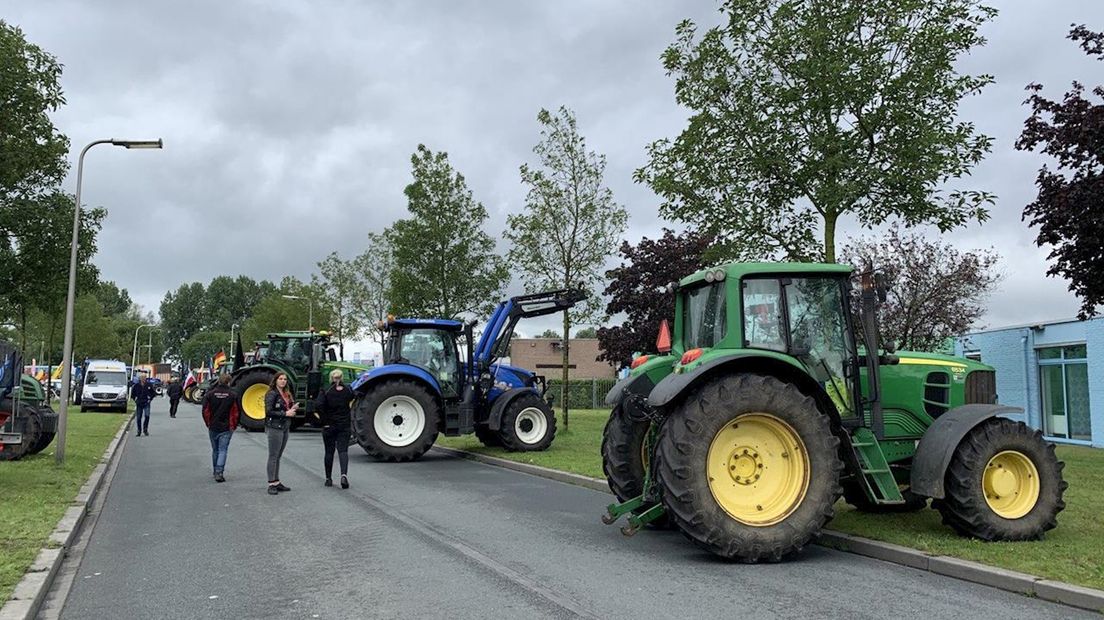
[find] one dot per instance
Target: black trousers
(173, 402)
(336, 438)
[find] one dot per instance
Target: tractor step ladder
(877, 478)
(459, 419)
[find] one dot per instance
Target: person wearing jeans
(280, 407)
(220, 414)
(332, 408)
(143, 394)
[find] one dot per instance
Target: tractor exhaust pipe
(871, 291)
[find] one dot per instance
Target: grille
(104, 396)
(981, 387)
(937, 393)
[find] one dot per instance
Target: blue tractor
(424, 387)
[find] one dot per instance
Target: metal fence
(582, 393)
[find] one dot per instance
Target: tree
(182, 315)
(32, 151)
(275, 313)
(93, 336)
(35, 242)
(637, 290)
(203, 346)
(587, 332)
(228, 301)
(936, 293)
(807, 111)
(116, 301)
(339, 286)
(1069, 209)
(444, 263)
(570, 224)
(372, 270)
(550, 333)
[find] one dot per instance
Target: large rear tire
(44, 437)
(749, 468)
(30, 426)
(624, 459)
(396, 421)
(528, 424)
(251, 388)
(1004, 483)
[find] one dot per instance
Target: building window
(1064, 386)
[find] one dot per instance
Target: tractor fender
(395, 371)
(676, 385)
(494, 416)
(937, 446)
(640, 385)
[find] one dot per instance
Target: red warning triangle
(663, 342)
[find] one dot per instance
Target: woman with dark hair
(280, 407)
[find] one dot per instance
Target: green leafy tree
(35, 242)
(182, 315)
(372, 272)
(202, 346)
(340, 286)
(116, 301)
(550, 333)
(230, 300)
(275, 313)
(1069, 208)
(570, 224)
(808, 111)
(587, 332)
(93, 336)
(32, 151)
(444, 263)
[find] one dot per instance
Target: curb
(965, 570)
(30, 592)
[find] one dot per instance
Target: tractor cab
(429, 344)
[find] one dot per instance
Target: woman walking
(333, 408)
(280, 407)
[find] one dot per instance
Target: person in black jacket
(332, 407)
(220, 414)
(175, 391)
(143, 394)
(280, 407)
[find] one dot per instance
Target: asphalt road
(438, 538)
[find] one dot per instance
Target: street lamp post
(67, 347)
(134, 351)
(310, 308)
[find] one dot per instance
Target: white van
(104, 386)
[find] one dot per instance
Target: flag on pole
(220, 359)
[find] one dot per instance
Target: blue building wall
(1013, 353)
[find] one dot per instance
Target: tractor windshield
(704, 319)
(806, 318)
(433, 350)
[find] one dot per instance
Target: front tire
(749, 468)
(251, 389)
(624, 460)
(528, 424)
(31, 431)
(396, 421)
(1004, 483)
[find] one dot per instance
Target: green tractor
(773, 400)
(27, 422)
(305, 357)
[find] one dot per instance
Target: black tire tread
(242, 383)
(964, 508)
(367, 404)
(506, 434)
(681, 451)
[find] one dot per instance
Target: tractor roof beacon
(774, 400)
(425, 387)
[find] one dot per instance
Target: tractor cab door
(807, 317)
(314, 370)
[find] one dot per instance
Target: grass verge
(36, 491)
(1071, 552)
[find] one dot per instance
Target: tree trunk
(830, 238)
(565, 377)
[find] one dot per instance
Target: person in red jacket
(220, 414)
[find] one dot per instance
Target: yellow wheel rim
(1011, 484)
(758, 469)
(253, 401)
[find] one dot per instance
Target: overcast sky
(289, 126)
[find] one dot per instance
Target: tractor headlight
(709, 276)
(718, 275)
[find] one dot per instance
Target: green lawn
(1072, 552)
(36, 492)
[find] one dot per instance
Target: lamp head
(139, 144)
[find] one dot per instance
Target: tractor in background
(27, 422)
(773, 400)
(305, 357)
(425, 388)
